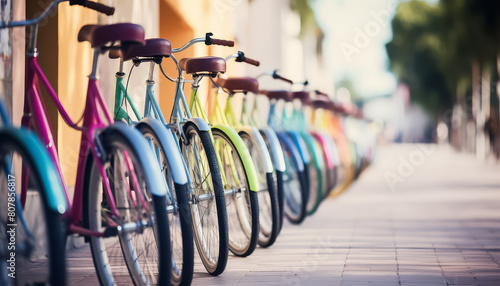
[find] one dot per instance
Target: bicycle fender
(167, 140)
(259, 141)
(200, 123)
(301, 146)
(253, 179)
(147, 159)
(277, 152)
(286, 140)
(49, 177)
(317, 155)
(326, 149)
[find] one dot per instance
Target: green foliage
(307, 18)
(434, 46)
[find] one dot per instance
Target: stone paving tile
(441, 226)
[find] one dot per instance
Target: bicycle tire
(251, 203)
(180, 215)
(293, 162)
(111, 140)
(278, 174)
(268, 236)
(54, 221)
(317, 174)
(218, 194)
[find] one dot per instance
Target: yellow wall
(74, 65)
(176, 20)
(181, 21)
(47, 59)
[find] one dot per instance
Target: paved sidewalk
(440, 225)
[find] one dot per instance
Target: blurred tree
(308, 22)
(415, 52)
(435, 46)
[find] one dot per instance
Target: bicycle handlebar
(99, 7)
(277, 76)
(89, 4)
(220, 42)
(208, 40)
(321, 93)
(241, 58)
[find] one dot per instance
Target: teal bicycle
(193, 139)
(39, 236)
(166, 149)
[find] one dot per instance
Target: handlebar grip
(220, 42)
(277, 76)
(100, 7)
(252, 62)
(321, 93)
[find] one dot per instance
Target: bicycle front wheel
(179, 214)
(268, 200)
(38, 230)
(242, 204)
(208, 206)
(317, 174)
(295, 187)
(138, 239)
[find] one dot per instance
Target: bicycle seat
(153, 48)
(277, 94)
(203, 64)
(98, 35)
(239, 84)
(322, 103)
(336, 106)
(303, 96)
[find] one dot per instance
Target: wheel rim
(172, 209)
(238, 204)
(265, 206)
(204, 211)
(140, 251)
(291, 188)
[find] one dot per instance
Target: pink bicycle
(119, 202)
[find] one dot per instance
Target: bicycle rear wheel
(179, 214)
(268, 200)
(139, 239)
(38, 230)
(242, 204)
(208, 206)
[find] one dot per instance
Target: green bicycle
(239, 177)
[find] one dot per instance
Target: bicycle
(153, 126)
(329, 148)
(30, 231)
(269, 220)
(295, 186)
(119, 200)
(206, 192)
(238, 173)
(330, 121)
(317, 168)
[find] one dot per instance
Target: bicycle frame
(151, 109)
(248, 119)
(35, 114)
(240, 126)
(222, 123)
